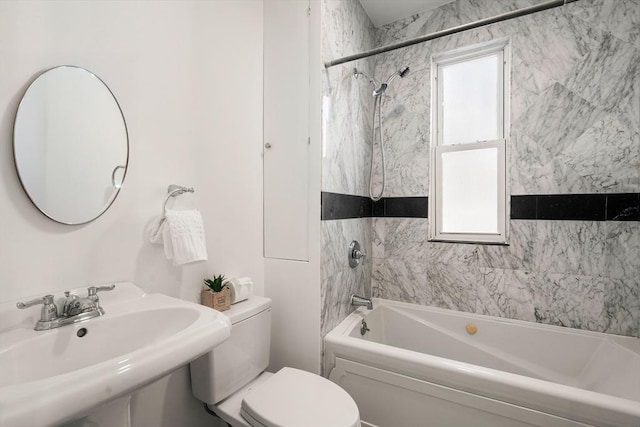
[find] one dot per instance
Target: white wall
(188, 76)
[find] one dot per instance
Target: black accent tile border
(623, 207)
(402, 207)
(523, 207)
(575, 207)
(590, 207)
(345, 206)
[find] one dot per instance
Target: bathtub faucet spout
(358, 301)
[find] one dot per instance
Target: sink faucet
(74, 305)
(358, 301)
(75, 309)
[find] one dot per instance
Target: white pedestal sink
(50, 377)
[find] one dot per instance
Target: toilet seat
(295, 398)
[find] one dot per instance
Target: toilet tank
(237, 361)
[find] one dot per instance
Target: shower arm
(357, 73)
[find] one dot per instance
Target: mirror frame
(126, 164)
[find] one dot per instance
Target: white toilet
(232, 380)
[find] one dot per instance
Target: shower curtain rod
(471, 25)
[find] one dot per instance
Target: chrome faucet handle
(47, 299)
(359, 254)
(92, 292)
(355, 254)
(49, 310)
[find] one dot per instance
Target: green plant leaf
(216, 284)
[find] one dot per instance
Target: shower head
(380, 88)
(402, 73)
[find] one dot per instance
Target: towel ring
(174, 191)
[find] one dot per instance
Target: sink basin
(49, 377)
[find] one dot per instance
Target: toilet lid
(295, 398)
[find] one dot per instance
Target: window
(468, 140)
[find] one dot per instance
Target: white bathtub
(418, 366)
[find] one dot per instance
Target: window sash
(436, 211)
(499, 51)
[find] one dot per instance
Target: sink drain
(81, 332)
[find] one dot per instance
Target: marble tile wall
(568, 102)
(346, 153)
(575, 128)
(347, 101)
(339, 280)
(580, 274)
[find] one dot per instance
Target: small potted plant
(216, 294)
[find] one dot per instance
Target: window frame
(467, 53)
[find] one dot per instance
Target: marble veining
(568, 103)
(347, 101)
(541, 276)
(619, 89)
(622, 252)
(346, 153)
(338, 280)
(574, 111)
(619, 17)
(570, 247)
(574, 129)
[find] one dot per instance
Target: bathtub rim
(587, 406)
(626, 341)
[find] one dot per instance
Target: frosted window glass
(470, 191)
(470, 101)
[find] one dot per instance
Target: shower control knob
(267, 145)
(355, 254)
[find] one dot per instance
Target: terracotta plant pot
(220, 301)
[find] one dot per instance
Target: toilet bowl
(232, 380)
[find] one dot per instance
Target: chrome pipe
(443, 33)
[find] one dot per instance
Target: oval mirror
(70, 145)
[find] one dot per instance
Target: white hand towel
(166, 240)
(159, 234)
(183, 236)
